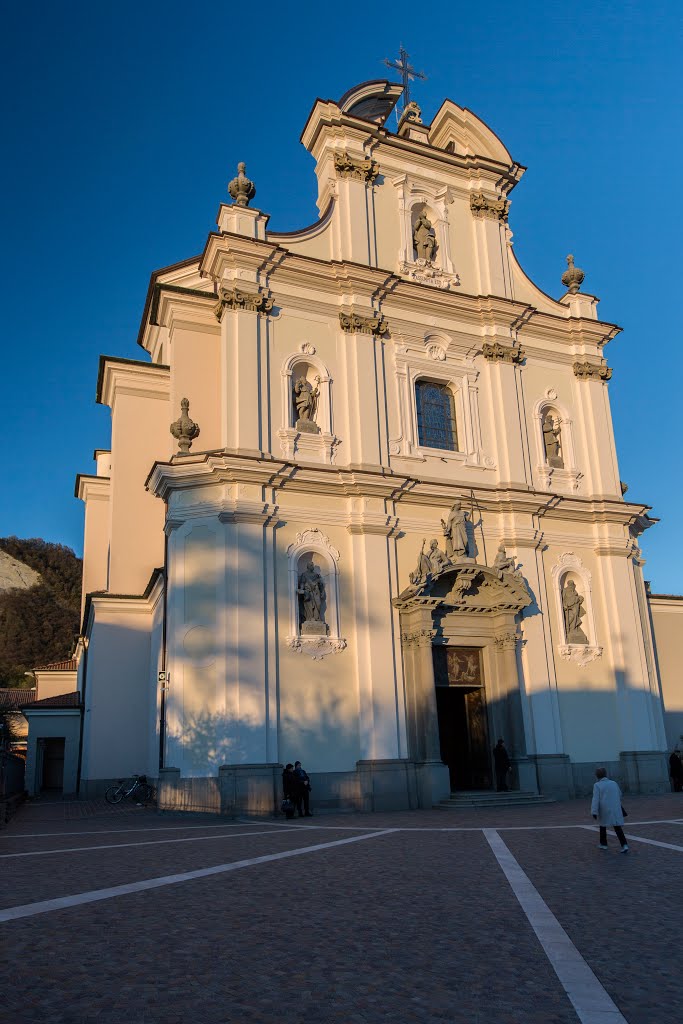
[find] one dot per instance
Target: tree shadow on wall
(211, 740)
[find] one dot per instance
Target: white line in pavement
(464, 828)
(283, 824)
(151, 842)
(64, 902)
(590, 1000)
(116, 831)
(640, 839)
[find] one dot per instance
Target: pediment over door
(468, 587)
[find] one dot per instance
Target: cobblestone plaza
(512, 916)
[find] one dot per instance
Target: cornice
(89, 487)
(131, 377)
(326, 119)
(226, 253)
(184, 306)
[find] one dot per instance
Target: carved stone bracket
(352, 324)
(316, 647)
(502, 353)
(492, 209)
(581, 654)
(234, 298)
(418, 638)
(357, 170)
(592, 371)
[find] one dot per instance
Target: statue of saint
(551, 441)
(501, 562)
(455, 532)
(423, 566)
(437, 558)
(311, 591)
(305, 399)
(572, 608)
(424, 238)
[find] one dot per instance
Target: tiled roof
(58, 666)
(15, 698)
(62, 700)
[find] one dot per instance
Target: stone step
(486, 798)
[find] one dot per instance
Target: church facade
(362, 506)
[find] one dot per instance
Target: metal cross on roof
(407, 72)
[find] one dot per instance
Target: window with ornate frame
(436, 424)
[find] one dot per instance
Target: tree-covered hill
(38, 624)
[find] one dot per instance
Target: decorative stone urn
(241, 188)
(184, 429)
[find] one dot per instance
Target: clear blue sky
(124, 122)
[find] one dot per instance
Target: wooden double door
(463, 719)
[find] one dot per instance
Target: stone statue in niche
(551, 440)
(572, 609)
(311, 592)
(455, 532)
(424, 238)
(305, 402)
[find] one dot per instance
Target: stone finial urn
(241, 188)
(573, 276)
(184, 429)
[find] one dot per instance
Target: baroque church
(362, 505)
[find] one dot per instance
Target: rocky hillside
(40, 589)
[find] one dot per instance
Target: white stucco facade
(204, 668)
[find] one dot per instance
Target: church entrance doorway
(463, 721)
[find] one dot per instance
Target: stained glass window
(435, 416)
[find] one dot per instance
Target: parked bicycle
(137, 788)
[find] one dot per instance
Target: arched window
(435, 416)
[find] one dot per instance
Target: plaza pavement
(498, 916)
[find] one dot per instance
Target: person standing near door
(502, 765)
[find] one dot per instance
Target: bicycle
(137, 789)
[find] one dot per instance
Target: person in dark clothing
(502, 765)
(289, 790)
(676, 771)
(302, 789)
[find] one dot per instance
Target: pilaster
(417, 634)
(380, 683)
(506, 405)
(244, 369)
(363, 358)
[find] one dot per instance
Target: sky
(123, 123)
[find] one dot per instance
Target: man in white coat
(607, 810)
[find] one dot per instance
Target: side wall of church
(667, 622)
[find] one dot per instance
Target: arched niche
(417, 195)
(570, 568)
(312, 545)
(314, 447)
(562, 471)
